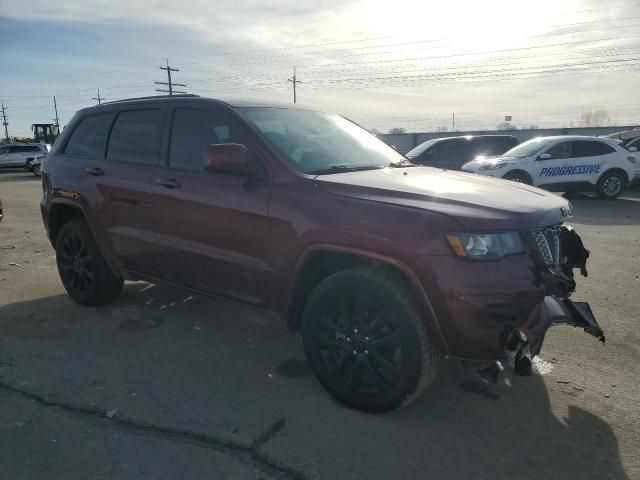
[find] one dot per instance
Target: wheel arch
(318, 262)
(61, 213)
(622, 171)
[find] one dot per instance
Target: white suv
(565, 164)
(20, 154)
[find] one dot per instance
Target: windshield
(417, 151)
(319, 143)
(530, 147)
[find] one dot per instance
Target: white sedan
(565, 164)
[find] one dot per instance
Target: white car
(20, 154)
(565, 164)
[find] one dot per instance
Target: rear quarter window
(135, 137)
(89, 139)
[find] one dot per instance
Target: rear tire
(518, 177)
(366, 341)
(36, 170)
(610, 185)
(83, 271)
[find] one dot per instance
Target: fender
(423, 299)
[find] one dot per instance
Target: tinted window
(560, 150)
(192, 131)
(586, 148)
(27, 148)
(135, 137)
(452, 152)
(90, 136)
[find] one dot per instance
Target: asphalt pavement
(166, 384)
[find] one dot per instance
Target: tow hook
(518, 353)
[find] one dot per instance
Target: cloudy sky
(384, 64)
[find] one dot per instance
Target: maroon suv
(385, 267)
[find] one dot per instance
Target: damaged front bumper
(524, 342)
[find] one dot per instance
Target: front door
(212, 228)
(551, 170)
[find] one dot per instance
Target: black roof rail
(181, 95)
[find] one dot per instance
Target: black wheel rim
(76, 265)
(359, 345)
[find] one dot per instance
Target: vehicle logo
(567, 211)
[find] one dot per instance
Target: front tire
(366, 340)
(518, 177)
(36, 170)
(610, 185)
(83, 271)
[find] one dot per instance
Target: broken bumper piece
(523, 343)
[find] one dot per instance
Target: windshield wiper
(343, 169)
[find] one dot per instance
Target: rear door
(109, 160)
(212, 228)
(589, 159)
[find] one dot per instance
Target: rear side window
(585, 148)
(89, 139)
(135, 137)
(192, 131)
(454, 152)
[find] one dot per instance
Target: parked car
(453, 152)
(384, 266)
(16, 155)
(565, 164)
(34, 165)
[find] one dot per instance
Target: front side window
(89, 139)
(529, 148)
(559, 151)
(586, 148)
(193, 131)
(320, 143)
(135, 137)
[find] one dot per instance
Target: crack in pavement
(243, 454)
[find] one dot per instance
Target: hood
(475, 201)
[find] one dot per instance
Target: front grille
(547, 240)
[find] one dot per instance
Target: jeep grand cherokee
(385, 267)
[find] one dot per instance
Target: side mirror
(544, 156)
(226, 158)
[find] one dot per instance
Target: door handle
(168, 182)
(96, 172)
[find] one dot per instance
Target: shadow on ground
(164, 357)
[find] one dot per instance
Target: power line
(169, 83)
(98, 98)
(55, 107)
(294, 81)
(5, 123)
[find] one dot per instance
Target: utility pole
(6, 124)
(169, 83)
(453, 122)
(294, 80)
(98, 98)
(55, 107)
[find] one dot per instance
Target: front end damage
(557, 251)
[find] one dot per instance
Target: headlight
(493, 166)
(485, 246)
